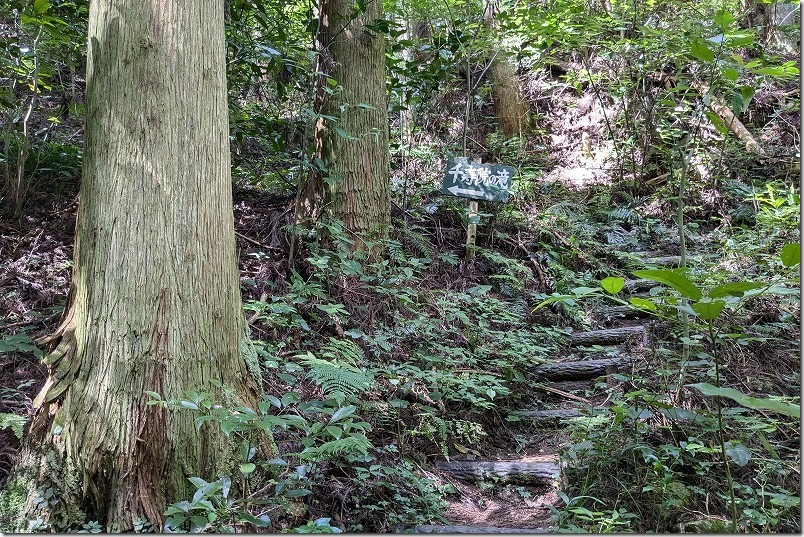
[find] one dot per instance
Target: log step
(516, 472)
(622, 312)
(554, 414)
(610, 336)
(639, 286)
(580, 370)
(426, 528)
(669, 260)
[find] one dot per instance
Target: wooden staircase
(564, 382)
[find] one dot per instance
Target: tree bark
(154, 303)
(506, 91)
(352, 183)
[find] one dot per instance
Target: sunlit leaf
(40, 6)
(756, 403)
(723, 19)
(730, 74)
(612, 284)
(642, 303)
(791, 254)
(700, 51)
(676, 280)
(734, 289)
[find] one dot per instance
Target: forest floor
(582, 223)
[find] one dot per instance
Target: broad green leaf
(343, 412)
(740, 39)
(40, 6)
(261, 522)
(247, 467)
(676, 280)
(786, 70)
(700, 51)
(738, 453)
(723, 19)
(612, 284)
(642, 303)
(747, 93)
(717, 122)
(708, 310)
(730, 74)
(791, 254)
(784, 500)
(737, 104)
(734, 289)
(227, 427)
(756, 403)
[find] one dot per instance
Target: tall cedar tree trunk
(355, 186)
(509, 101)
(154, 302)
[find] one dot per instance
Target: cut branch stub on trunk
(582, 369)
(611, 336)
(516, 472)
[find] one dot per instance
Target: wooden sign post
(471, 229)
(476, 181)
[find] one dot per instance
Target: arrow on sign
(456, 190)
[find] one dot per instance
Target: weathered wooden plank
(516, 472)
(426, 528)
(579, 370)
(554, 414)
(609, 336)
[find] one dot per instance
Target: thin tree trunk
(509, 101)
(353, 185)
(154, 302)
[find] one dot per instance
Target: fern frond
(15, 422)
(342, 350)
(395, 251)
(349, 445)
(417, 238)
(337, 380)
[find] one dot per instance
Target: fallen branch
(734, 125)
(258, 243)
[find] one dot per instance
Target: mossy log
(426, 528)
(580, 370)
(610, 336)
(515, 472)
